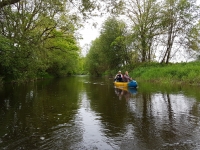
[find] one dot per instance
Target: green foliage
(112, 42)
(5, 55)
(94, 62)
(62, 54)
(180, 72)
(110, 51)
(37, 39)
(194, 38)
(81, 66)
(15, 62)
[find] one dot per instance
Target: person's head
(126, 72)
(119, 72)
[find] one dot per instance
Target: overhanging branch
(7, 2)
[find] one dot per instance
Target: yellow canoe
(121, 83)
(127, 84)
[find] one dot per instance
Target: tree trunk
(169, 45)
(143, 48)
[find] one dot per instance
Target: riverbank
(178, 73)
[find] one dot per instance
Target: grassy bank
(180, 73)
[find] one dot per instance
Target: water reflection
(125, 92)
(168, 119)
(90, 113)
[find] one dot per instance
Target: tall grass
(188, 73)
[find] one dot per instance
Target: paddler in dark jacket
(119, 77)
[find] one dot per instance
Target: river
(86, 113)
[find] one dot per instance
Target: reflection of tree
(152, 120)
(168, 131)
(170, 111)
(105, 102)
(146, 127)
(39, 111)
(47, 115)
(157, 117)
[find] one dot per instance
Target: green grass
(184, 73)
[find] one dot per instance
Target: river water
(84, 113)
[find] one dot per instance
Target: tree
(160, 27)
(178, 18)
(144, 19)
(113, 42)
(193, 41)
(112, 49)
(82, 66)
(94, 63)
(28, 26)
(63, 54)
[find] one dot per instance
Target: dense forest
(39, 38)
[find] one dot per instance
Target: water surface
(90, 113)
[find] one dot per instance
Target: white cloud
(89, 32)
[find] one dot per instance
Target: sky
(89, 32)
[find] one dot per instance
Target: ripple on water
(187, 145)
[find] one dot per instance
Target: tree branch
(7, 2)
